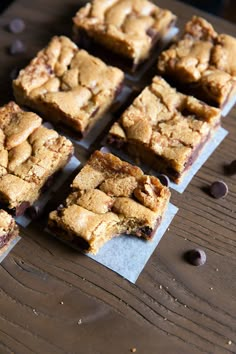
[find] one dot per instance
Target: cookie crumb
(35, 312)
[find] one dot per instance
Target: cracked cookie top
(8, 230)
(134, 23)
(202, 57)
(167, 122)
(69, 79)
(29, 153)
(109, 197)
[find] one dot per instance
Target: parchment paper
(127, 255)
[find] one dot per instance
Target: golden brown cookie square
(67, 85)
(30, 154)
(165, 129)
(129, 28)
(202, 62)
(109, 197)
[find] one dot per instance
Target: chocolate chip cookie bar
(109, 197)
(67, 85)
(202, 62)
(165, 129)
(30, 154)
(130, 28)
(8, 230)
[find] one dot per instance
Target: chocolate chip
(118, 143)
(17, 25)
(105, 150)
(218, 189)
(17, 47)
(164, 180)
(196, 257)
(232, 168)
(145, 231)
(33, 212)
(49, 69)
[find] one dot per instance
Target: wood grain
(54, 300)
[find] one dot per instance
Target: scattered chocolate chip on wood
(17, 47)
(218, 189)
(231, 168)
(196, 257)
(164, 180)
(16, 25)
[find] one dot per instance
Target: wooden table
(54, 300)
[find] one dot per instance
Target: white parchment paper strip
(127, 255)
(229, 106)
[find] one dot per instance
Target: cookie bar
(202, 62)
(130, 28)
(165, 128)
(67, 85)
(30, 154)
(109, 197)
(8, 230)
